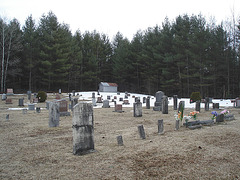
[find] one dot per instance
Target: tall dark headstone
(175, 101)
(54, 114)
(181, 104)
(148, 102)
(137, 109)
(198, 106)
(160, 126)
(165, 105)
(20, 102)
(158, 102)
(83, 140)
(141, 132)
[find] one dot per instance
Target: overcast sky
(111, 16)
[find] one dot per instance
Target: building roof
(109, 84)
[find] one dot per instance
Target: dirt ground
(29, 149)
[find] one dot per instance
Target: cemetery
(102, 135)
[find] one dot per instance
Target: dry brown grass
(29, 149)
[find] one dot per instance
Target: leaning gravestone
(83, 141)
(165, 105)
(54, 114)
(175, 101)
(141, 132)
(137, 109)
(158, 102)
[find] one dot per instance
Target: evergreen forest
(185, 55)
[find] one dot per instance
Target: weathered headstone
(9, 92)
(83, 140)
(60, 91)
(137, 99)
(198, 106)
(237, 103)
(158, 102)
(20, 102)
(38, 109)
(118, 108)
(144, 99)
(175, 102)
(54, 114)
(137, 109)
(148, 103)
(73, 103)
(31, 107)
(106, 104)
(177, 125)
(94, 102)
(93, 95)
(206, 103)
(215, 105)
(4, 97)
(220, 118)
(63, 107)
(160, 126)
(141, 132)
(108, 97)
(126, 102)
(120, 140)
(24, 111)
(8, 101)
(7, 117)
(181, 105)
(120, 99)
(165, 105)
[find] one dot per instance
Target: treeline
(178, 57)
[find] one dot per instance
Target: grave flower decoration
(193, 114)
(215, 114)
(224, 112)
(179, 116)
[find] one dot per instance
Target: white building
(107, 87)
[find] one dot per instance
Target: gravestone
(215, 105)
(9, 92)
(144, 99)
(148, 103)
(118, 93)
(99, 99)
(73, 92)
(181, 105)
(31, 107)
(54, 114)
(73, 103)
(20, 102)
(177, 125)
(120, 140)
(108, 97)
(118, 108)
(60, 91)
(141, 132)
(8, 101)
(175, 102)
(198, 106)
(29, 94)
(126, 102)
(126, 95)
(83, 140)
(35, 100)
(137, 99)
(165, 105)
(47, 105)
(158, 102)
(237, 103)
(38, 109)
(120, 99)
(63, 107)
(220, 118)
(206, 103)
(94, 102)
(137, 109)
(4, 97)
(93, 95)
(106, 104)
(160, 126)
(70, 96)
(24, 111)
(7, 117)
